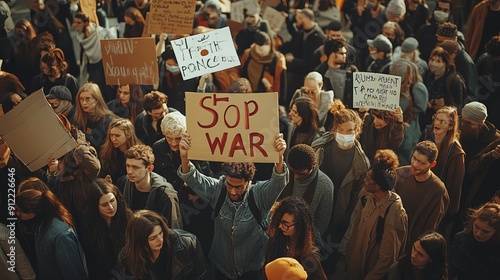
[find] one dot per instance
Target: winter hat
(450, 46)
(59, 92)
(285, 268)
(475, 111)
(381, 43)
(448, 30)
(395, 8)
(410, 44)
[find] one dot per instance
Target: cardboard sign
(232, 127)
(275, 18)
(376, 91)
(130, 61)
(89, 8)
(171, 16)
(235, 27)
(205, 53)
(34, 132)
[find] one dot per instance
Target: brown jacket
(475, 28)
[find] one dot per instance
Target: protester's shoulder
(322, 141)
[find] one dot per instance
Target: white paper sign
(275, 18)
(205, 53)
(34, 132)
(376, 91)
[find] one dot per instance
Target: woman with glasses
(450, 166)
(303, 127)
(382, 130)
(104, 235)
(121, 136)
(475, 253)
(291, 234)
(313, 88)
(92, 115)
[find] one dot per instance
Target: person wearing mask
(210, 15)
(60, 98)
(252, 24)
(380, 54)
(426, 35)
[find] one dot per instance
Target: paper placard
(89, 8)
(130, 61)
(275, 18)
(376, 91)
(34, 132)
(171, 16)
(205, 53)
(232, 127)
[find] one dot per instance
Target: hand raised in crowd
(398, 114)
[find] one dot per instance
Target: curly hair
(489, 213)
(342, 115)
(301, 156)
(239, 170)
(154, 100)
(304, 227)
(173, 123)
(384, 167)
(55, 61)
(143, 152)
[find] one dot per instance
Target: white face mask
(345, 140)
(173, 69)
(437, 68)
(263, 50)
(440, 16)
(374, 56)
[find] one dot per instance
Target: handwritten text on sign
(171, 16)
(232, 127)
(205, 53)
(377, 91)
(130, 61)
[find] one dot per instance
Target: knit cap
(285, 268)
(475, 111)
(410, 44)
(395, 8)
(450, 46)
(448, 30)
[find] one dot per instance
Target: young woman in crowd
(58, 251)
(54, 68)
(427, 260)
(382, 130)
(475, 253)
(153, 251)
(22, 59)
(128, 102)
(291, 234)
(104, 236)
(303, 127)
(135, 23)
(92, 115)
(450, 166)
(121, 136)
(446, 87)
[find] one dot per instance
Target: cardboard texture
(205, 53)
(172, 16)
(89, 7)
(376, 91)
(130, 61)
(232, 127)
(34, 132)
(235, 27)
(275, 18)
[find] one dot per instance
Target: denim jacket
(239, 243)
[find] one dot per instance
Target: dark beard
(468, 137)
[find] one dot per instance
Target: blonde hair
(173, 123)
(101, 109)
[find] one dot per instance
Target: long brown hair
(134, 106)
(101, 109)
(109, 154)
(452, 134)
(137, 251)
(45, 205)
(55, 61)
(489, 213)
(304, 227)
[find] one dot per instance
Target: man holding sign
(240, 237)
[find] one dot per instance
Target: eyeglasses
(440, 121)
(238, 188)
(341, 53)
(86, 99)
(286, 226)
(309, 91)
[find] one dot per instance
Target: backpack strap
(381, 224)
(220, 201)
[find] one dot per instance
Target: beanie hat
(395, 8)
(450, 46)
(475, 111)
(409, 44)
(285, 268)
(448, 30)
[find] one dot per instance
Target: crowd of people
(357, 193)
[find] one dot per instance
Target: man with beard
(424, 195)
(59, 99)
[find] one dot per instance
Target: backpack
(380, 221)
(251, 203)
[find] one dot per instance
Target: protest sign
(238, 9)
(275, 18)
(235, 27)
(34, 133)
(376, 91)
(205, 53)
(89, 8)
(232, 127)
(130, 61)
(171, 16)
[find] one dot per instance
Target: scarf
(256, 66)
